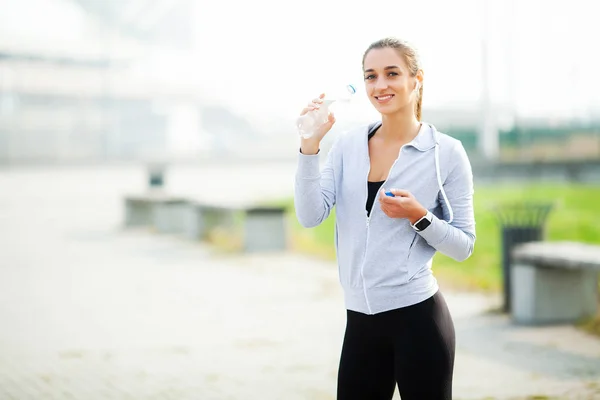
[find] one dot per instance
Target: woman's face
(388, 82)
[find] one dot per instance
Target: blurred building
(80, 80)
(119, 80)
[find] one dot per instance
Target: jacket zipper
(382, 185)
(362, 268)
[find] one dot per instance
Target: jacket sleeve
(457, 238)
(314, 189)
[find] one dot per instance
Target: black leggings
(411, 346)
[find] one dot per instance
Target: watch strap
(423, 222)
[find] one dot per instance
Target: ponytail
(419, 103)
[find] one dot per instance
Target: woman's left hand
(403, 205)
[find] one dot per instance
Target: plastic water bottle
(308, 123)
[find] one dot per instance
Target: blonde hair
(409, 53)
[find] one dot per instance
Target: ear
(419, 79)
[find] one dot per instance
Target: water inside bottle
(309, 122)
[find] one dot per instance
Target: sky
(275, 56)
(270, 57)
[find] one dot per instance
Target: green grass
(574, 217)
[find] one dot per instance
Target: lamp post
(488, 135)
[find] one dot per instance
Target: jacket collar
(425, 140)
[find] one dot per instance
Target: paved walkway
(89, 311)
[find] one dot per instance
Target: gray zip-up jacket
(383, 263)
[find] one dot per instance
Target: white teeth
(389, 96)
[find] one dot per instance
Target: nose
(381, 84)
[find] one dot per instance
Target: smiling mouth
(384, 97)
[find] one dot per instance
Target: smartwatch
(423, 223)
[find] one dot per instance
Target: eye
(393, 74)
(368, 77)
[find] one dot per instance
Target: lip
(384, 98)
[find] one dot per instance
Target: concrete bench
(554, 282)
(247, 227)
(202, 218)
(260, 228)
(164, 212)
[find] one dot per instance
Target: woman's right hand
(311, 145)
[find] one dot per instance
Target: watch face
(422, 224)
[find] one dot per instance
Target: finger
(331, 118)
(308, 109)
(386, 203)
(387, 211)
(387, 193)
(384, 209)
(400, 192)
(385, 199)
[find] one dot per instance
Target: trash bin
(156, 175)
(265, 229)
(519, 223)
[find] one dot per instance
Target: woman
(399, 330)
